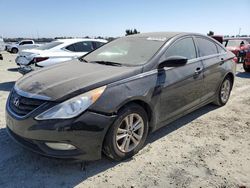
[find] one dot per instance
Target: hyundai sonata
(110, 99)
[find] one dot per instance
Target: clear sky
(51, 18)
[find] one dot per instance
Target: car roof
(80, 40)
(163, 35)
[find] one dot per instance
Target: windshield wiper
(108, 63)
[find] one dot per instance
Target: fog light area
(60, 146)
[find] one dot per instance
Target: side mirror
(173, 61)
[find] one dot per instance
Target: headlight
(72, 107)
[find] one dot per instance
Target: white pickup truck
(2, 44)
(19, 46)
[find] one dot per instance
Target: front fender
(138, 89)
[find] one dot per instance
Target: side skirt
(164, 123)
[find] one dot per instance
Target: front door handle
(198, 71)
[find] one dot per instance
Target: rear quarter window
(71, 48)
(85, 46)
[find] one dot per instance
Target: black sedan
(110, 99)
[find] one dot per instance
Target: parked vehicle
(2, 44)
(241, 48)
(56, 52)
(219, 38)
(110, 99)
(19, 46)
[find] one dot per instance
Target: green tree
(131, 31)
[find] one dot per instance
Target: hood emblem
(16, 101)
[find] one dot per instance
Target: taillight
(39, 59)
(235, 59)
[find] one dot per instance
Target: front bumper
(86, 132)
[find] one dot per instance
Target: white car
(56, 52)
(22, 45)
(2, 44)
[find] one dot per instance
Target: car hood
(71, 78)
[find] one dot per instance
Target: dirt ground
(207, 148)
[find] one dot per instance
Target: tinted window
(27, 42)
(184, 47)
(85, 46)
(71, 48)
(98, 44)
(206, 47)
(79, 47)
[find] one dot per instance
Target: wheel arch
(230, 75)
(145, 105)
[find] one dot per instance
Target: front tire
(246, 68)
(128, 133)
(224, 92)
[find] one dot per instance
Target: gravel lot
(207, 148)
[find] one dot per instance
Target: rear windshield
(131, 51)
(49, 45)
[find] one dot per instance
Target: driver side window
(184, 47)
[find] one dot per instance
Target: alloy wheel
(225, 90)
(129, 132)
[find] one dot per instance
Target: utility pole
(239, 31)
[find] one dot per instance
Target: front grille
(22, 105)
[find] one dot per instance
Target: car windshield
(130, 51)
(49, 45)
(234, 43)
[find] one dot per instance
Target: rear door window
(26, 42)
(85, 46)
(184, 47)
(206, 47)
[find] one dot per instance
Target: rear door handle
(198, 71)
(222, 61)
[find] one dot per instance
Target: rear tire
(224, 92)
(14, 50)
(246, 68)
(128, 133)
